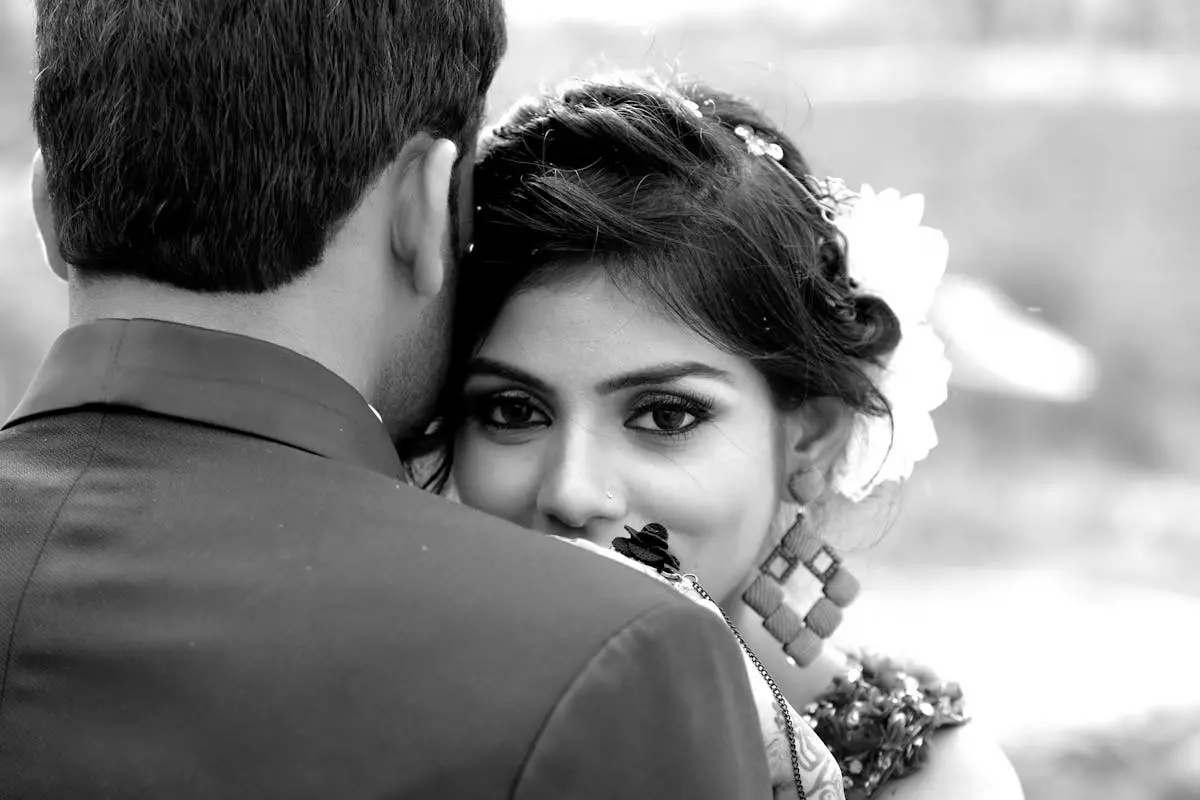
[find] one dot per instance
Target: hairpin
(837, 196)
(757, 145)
(831, 195)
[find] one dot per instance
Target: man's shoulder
(321, 595)
(425, 551)
(426, 531)
(255, 501)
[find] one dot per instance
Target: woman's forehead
(590, 324)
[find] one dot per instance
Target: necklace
(649, 547)
(779, 698)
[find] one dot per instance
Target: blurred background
(1048, 552)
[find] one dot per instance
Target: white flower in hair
(895, 258)
(892, 256)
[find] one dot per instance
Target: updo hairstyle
(647, 181)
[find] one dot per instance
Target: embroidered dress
(872, 726)
(877, 720)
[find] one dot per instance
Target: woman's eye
(671, 416)
(509, 412)
(670, 419)
(512, 411)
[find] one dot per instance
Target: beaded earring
(802, 639)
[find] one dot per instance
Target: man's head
(235, 148)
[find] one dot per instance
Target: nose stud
(609, 495)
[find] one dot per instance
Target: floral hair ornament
(892, 256)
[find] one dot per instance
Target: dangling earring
(802, 639)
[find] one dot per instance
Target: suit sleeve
(663, 710)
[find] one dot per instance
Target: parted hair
(217, 145)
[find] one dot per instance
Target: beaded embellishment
(831, 196)
(877, 720)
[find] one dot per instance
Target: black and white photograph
(578, 400)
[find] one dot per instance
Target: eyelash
(482, 408)
(698, 406)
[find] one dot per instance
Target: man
(212, 580)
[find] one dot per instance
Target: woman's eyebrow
(489, 367)
(662, 373)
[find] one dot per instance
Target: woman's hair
(648, 181)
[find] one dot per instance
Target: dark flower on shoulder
(649, 546)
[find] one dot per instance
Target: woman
(658, 324)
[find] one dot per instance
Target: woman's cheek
(721, 523)
(499, 480)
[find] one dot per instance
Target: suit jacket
(213, 583)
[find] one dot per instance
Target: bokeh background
(1047, 553)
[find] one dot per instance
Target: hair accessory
(757, 145)
(832, 195)
(891, 256)
(802, 639)
(693, 108)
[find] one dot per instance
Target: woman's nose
(579, 495)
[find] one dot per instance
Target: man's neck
(289, 317)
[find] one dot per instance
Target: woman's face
(588, 410)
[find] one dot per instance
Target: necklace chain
(779, 698)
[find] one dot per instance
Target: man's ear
(421, 226)
(43, 215)
(815, 434)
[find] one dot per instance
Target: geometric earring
(802, 639)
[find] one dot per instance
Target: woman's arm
(964, 762)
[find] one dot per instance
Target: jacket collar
(210, 377)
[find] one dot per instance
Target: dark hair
(217, 145)
(649, 181)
